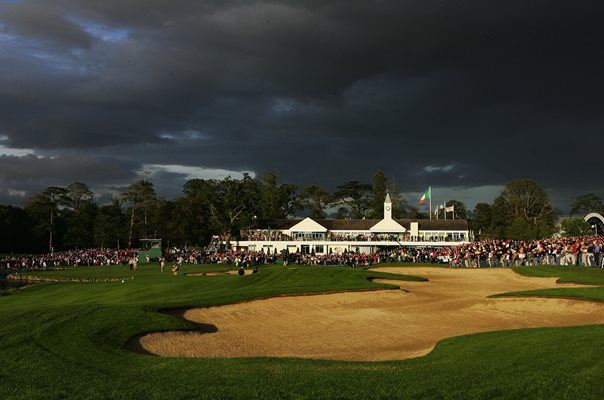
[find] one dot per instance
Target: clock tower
(387, 207)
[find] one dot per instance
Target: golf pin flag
(427, 195)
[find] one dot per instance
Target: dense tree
(69, 217)
(343, 213)
(232, 207)
(400, 207)
(110, 226)
(356, 197)
(521, 229)
(141, 196)
(77, 196)
(15, 231)
(379, 187)
(193, 210)
(183, 222)
(80, 213)
(481, 218)
(586, 204)
(276, 200)
(315, 200)
(575, 227)
(523, 200)
(44, 210)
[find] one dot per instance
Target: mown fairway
(67, 340)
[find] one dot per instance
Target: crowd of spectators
(367, 237)
(263, 236)
(229, 257)
(70, 258)
(350, 259)
(580, 250)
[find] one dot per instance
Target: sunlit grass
(67, 340)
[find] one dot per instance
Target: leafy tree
(183, 222)
(356, 197)
(421, 215)
(575, 227)
(194, 211)
(141, 196)
(230, 209)
(379, 194)
(500, 217)
(523, 199)
(78, 195)
(521, 229)
(80, 213)
(15, 231)
(400, 207)
(109, 225)
(343, 213)
(276, 199)
(44, 210)
(586, 204)
(481, 220)
(315, 199)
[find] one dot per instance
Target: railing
(435, 239)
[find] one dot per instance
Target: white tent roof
(308, 225)
(387, 225)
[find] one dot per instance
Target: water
(7, 284)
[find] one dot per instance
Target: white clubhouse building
(327, 236)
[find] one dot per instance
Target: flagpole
(430, 190)
(445, 205)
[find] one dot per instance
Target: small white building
(327, 236)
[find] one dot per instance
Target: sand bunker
(377, 325)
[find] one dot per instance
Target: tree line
(69, 217)
(523, 211)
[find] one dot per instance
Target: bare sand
(376, 325)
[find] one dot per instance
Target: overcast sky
(461, 95)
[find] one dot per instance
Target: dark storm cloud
(452, 94)
(23, 176)
(42, 23)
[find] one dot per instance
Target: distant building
(327, 236)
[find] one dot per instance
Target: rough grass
(66, 340)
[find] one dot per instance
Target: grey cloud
(42, 22)
(22, 176)
(318, 91)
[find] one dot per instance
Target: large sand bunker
(377, 325)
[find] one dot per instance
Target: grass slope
(582, 275)
(66, 340)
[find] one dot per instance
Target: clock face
(387, 208)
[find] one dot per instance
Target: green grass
(66, 340)
(581, 275)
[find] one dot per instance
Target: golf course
(82, 335)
